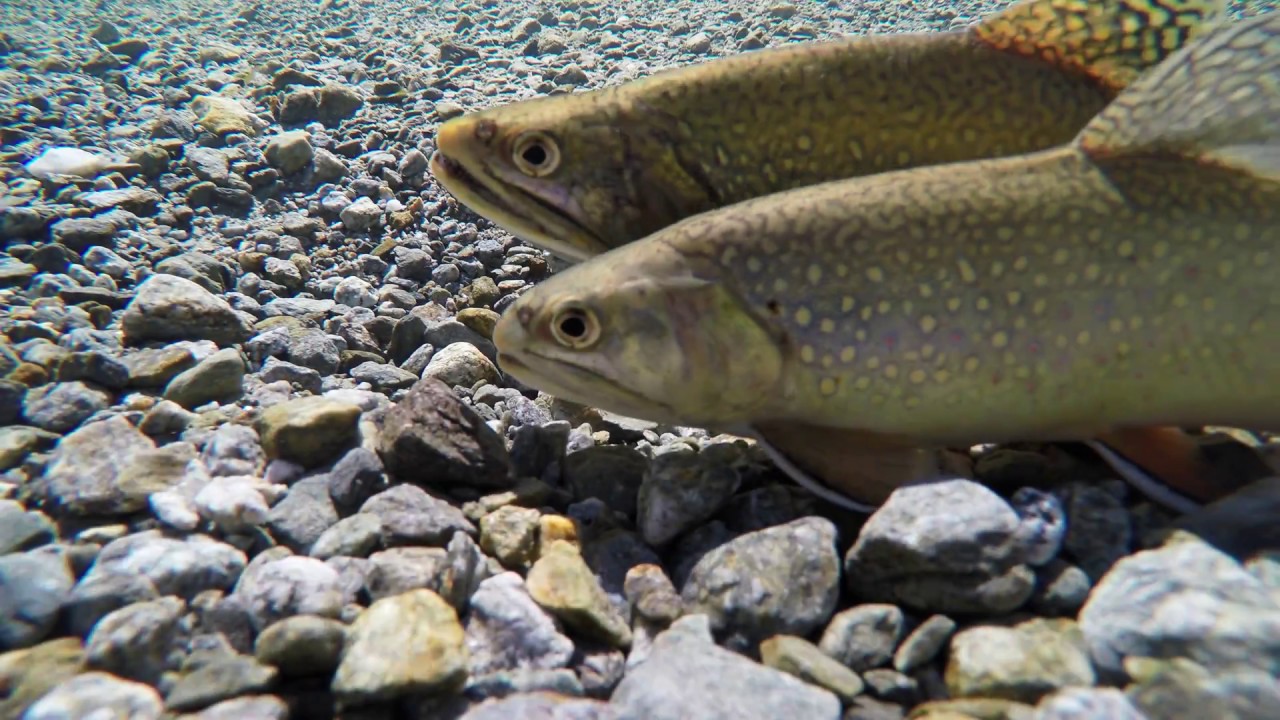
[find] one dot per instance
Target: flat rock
(308, 430)
(167, 307)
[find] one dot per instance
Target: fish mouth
(539, 222)
(558, 379)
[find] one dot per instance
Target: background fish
(579, 174)
(1108, 289)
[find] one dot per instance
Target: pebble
(302, 645)
(308, 430)
(864, 637)
(140, 641)
(167, 307)
(783, 579)
(97, 694)
(176, 566)
(1021, 663)
(799, 657)
(506, 630)
(32, 590)
(272, 590)
(432, 655)
(219, 377)
(411, 515)
(461, 363)
(680, 491)
(687, 675)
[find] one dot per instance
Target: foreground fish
(1110, 289)
(580, 174)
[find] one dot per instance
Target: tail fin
(1216, 100)
(1113, 41)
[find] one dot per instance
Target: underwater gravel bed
(259, 460)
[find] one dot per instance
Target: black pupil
(573, 326)
(534, 154)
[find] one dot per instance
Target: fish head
(573, 174)
(641, 332)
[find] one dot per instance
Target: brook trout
(580, 174)
(1108, 290)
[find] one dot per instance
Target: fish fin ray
(1163, 463)
(1113, 41)
(1217, 101)
(849, 468)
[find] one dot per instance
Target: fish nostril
(485, 130)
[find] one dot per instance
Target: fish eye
(575, 327)
(536, 154)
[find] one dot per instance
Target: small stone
(611, 473)
(510, 534)
(62, 407)
(223, 116)
(96, 596)
(83, 480)
(221, 679)
(1185, 599)
(652, 594)
(543, 705)
(308, 430)
(290, 151)
(892, 685)
(950, 546)
(258, 707)
(32, 590)
(924, 643)
(507, 630)
(462, 364)
(97, 694)
(153, 368)
(29, 674)
(688, 676)
(302, 646)
(779, 580)
(354, 536)
(864, 637)
(141, 641)
(561, 582)
(1061, 589)
(233, 504)
(272, 590)
(360, 215)
(1181, 688)
(432, 655)
(401, 569)
(432, 437)
(1023, 663)
(799, 657)
(21, 530)
(1089, 703)
(482, 320)
(168, 307)
(219, 377)
(1099, 530)
(411, 515)
(182, 567)
(681, 491)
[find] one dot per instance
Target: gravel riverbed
(257, 459)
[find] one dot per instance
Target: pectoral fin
(849, 468)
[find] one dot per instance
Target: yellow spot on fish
(928, 323)
(1092, 271)
(842, 270)
(941, 376)
(807, 353)
(1020, 263)
(827, 386)
(1208, 304)
(780, 285)
(953, 304)
(971, 364)
(917, 376)
(1061, 256)
(1125, 248)
(1061, 341)
(997, 269)
(1135, 322)
(967, 273)
(1004, 233)
(926, 291)
(1040, 280)
(873, 363)
(1115, 325)
(803, 316)
(728, 255)
(884, 307)
(983, 303)
(1123, 349)
(754, 265)
(848, 354)
(926, 351)
(1083, 338)
(862, 383)
(827, 325)
(828, 360)
(814, 274)
(891, 371)
(1160, 249)
(1225, 268)
(846, 303)
(804, 143)
(1013, 297)
(1258, 325)
(875, 274)
(1262, 257)
(1039, 306)
(1000, 339)
(911, 402)
(1180, 300)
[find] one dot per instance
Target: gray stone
(506, 630)
(611, 473)
(140, 641)
(680, 491)
(863, 637)
(82, 479)
(354, 536)
(289, 151)
(803, 659)
(234, 504)
(257, 707)
(32, 590)
(399, 570)
(19, 529)
(460, 363)
(949, 546)
(688, 676)
(276, 589)
(220, 679)
(1099, 530)
(924, 643)
(410, 515)
(1180, 688)
(308, 430)
(543, 705)
(1022, 663)
(97, 694)
(304, 515)
(1087, 704)
(355, 478)
(219, 377)
(95, 596)
(1185, 599)
(361, 214)
(61, 407)
(167, 307)
(780, 580)
(182, 567)
(302, 645)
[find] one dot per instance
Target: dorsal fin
(1216, 100)
(1113, 41)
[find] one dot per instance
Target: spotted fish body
(626, 161)
(1123, 282)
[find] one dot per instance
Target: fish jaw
(540, 213)
(672, 347)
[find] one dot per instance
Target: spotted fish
(1108, 290)
(580, 174)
